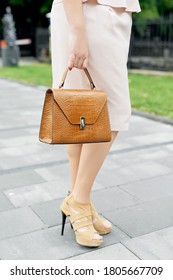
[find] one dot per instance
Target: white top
(130, 5)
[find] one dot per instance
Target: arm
(78, 47)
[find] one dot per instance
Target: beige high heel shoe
(98, 221)
(81, 221)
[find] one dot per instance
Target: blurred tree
(165, 6)
(44, 6)
(152, 9)
(149, 9)
(38, 7)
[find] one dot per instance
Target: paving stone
(110, 164)
(130, 172)
(20, 179)
(5, 204)
(147, 126)
(32, 129)
(146, 154)
(1, 153)
(53, 172)
(153, 138)
(152, 188)
(7, 163)
(156, 154)
(18, 221)
(49, 212)
(48, 244)
(5, 134)
(17, 141)
(153, 246)
(29, 195)
(22, 151)
(113, 252)
(170, 147)
(45, 157)
(10, 162)
(167, 161)
(61, 173)
(112, 198)
(119, 146)
(144, 217)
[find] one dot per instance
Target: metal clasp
(82, 122)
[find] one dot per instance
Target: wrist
(77, 28)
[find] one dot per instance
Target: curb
(150, 72)
(153, 117)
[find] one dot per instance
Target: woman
(92, 34)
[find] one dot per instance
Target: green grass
(153, 94)
(149, 93)
(35, 74)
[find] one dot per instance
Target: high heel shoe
(81, 221)
(98, 221)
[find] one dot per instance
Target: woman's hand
(78, 49)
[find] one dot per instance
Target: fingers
(77, 62)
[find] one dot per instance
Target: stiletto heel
(63, 222)
(80, 218)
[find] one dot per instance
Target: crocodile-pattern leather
(45, 133)
(60, 123)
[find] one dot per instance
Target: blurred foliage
(43, 5)
(151, 9)
(165, 6)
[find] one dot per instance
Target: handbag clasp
(82, 122)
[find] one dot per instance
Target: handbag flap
(76, 103)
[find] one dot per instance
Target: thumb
(71, 61)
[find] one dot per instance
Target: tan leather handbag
(73, 116)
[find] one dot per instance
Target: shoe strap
(78, 220)
(84, 212)
(81, 224)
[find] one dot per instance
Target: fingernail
(70, 68)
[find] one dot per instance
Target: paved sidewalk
(134, 188)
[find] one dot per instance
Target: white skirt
(108, 33)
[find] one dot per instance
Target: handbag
(72, 116)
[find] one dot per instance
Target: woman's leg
(88, 161)
(85, 161)
(91, 160)
(74, 151)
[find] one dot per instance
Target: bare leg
(74, 151)
(91, 160)
(85, 161)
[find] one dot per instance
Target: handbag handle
(87, 74)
